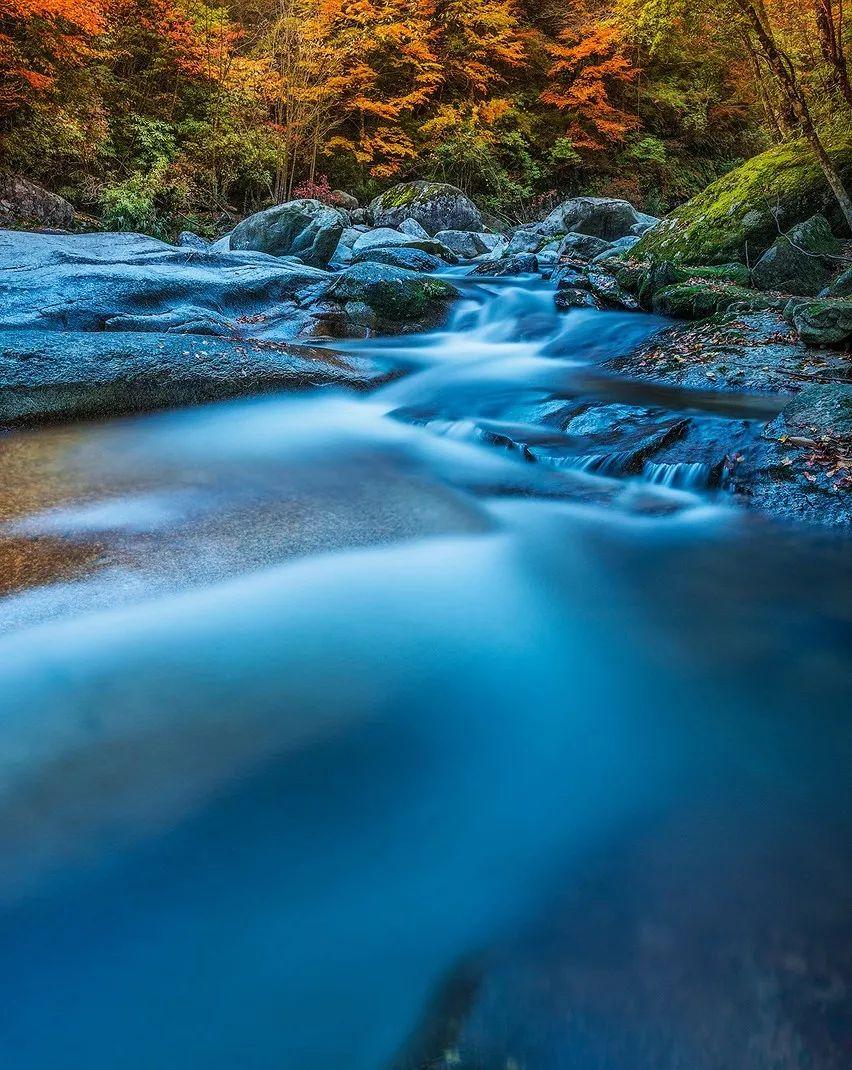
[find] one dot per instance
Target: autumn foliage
(150, 112)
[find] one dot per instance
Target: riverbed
(457, 723)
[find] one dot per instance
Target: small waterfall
(684, 475)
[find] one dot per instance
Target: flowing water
(312, 704)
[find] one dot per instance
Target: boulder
(620, 245)
(434, 205)
(601, 217)
(412, 228)
(568, 297)
(395, 295)
(582, 247)
(700, 299)
(839, 287)
(307, 229)
(387, 237)
(797, 262)
(188, 240)
(404, 256)
(525, 240)
(360, 216)
(24, 201)
(465, 244)
(740, 215)
(823, 322)
(340, 199)
(521, 264)
(48, 375)
(82, 282)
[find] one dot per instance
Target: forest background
(162, 115)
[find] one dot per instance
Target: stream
(312, 704)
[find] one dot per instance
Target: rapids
(308, 701)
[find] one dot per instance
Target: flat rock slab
(756, 352)
(49, 376)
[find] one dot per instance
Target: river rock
(601, 217)
(796, 263)
(413, 229)
(403, 256)
(840, 286)
(823, 322)
(582, 247)
(398, 297)
(434, 205)
(82, 282)
(620, 245)
(22, 200)
(70, 375)
(699, 299)
(466, 244)
(307, 229)
(188, 240)
(341, 199)
(387, 237)
(520, 264)
(756, 352)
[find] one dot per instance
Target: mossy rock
(739, 216)
(434, 205)
(645, 278)
(798, 262)
(393, 293)
(823, 322)
(697, 300)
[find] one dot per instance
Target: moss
(738, 216)
(408, 192)
(690, 300)
(822, 322)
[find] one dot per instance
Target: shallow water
(310, 702)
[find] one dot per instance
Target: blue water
(350, 690)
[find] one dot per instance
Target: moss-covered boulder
(839, 287)
(799, 261)
(434, 205)
(395, 294)
(697, 300)
(823, 322)
(739, 216)
(646, 278)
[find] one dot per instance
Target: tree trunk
(831, 45)
(790, 90)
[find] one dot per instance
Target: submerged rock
(434, 205)
(307, 229)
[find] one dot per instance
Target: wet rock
(411, 257)
(755, 352)
(568, 297)
(466, 244)
(797, 261)
(802, 467)
(434, 205)
(824, 322)
(610, 291)
(307, 229)
(399, 298)
(839, 287)
(81, 282)
(24, 201)
(520, 264)
(582, 246)
(525, 240)
(620, 245)
(601, 217)
(48, 375)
